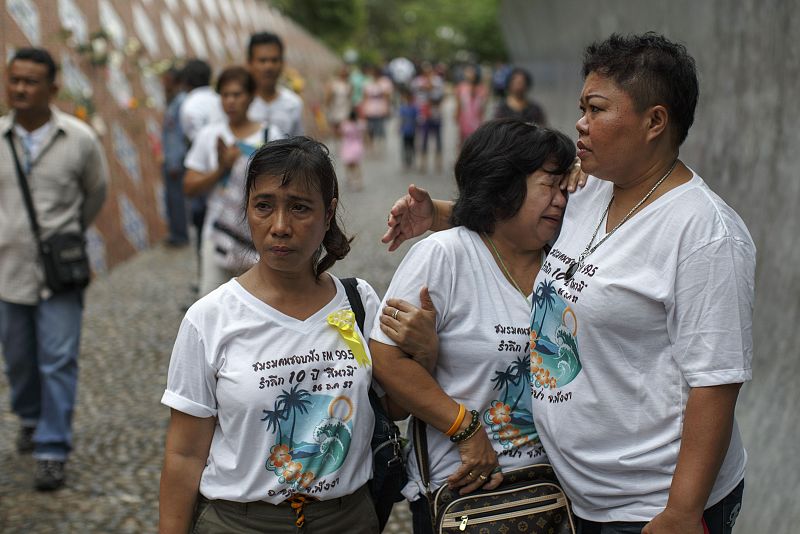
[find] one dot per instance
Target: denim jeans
(719, 518)
(40, 346)
(177, 216)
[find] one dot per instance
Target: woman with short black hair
(480, 279)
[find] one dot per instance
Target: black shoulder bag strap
(421, 454)
(351, 289)
(26, 192)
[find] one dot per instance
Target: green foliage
(445, 30)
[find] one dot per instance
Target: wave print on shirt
(313, 435)
(555, 358)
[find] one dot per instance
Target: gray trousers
(352, 513)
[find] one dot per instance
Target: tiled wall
(115, 85)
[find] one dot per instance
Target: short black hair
(652, 70)
(40, 56)
(174, 72)
(493, 167)
(197, 73)
(522, 72)
(263, 38)
(237, 74)
(302, 158)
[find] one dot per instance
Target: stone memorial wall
(743, 143)
(111, 54)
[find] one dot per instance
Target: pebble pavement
(130, 322)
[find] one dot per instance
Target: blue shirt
(173, 140)
(408, 120)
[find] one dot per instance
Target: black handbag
(389, 466)
(66, 263)
(530, 499)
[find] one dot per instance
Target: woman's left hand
(575, 178)
(478, 465)
(672, 522)
(413, 329)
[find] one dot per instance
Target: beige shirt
(68, 180)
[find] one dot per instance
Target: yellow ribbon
(345, 322)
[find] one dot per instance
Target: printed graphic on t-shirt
(508, 417)
(314, 408)
(312, 434)
(555, 358)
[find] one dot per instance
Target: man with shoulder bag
(53, 179)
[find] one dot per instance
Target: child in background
(352, 149)
(408, 127)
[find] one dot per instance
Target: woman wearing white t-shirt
(269, 376)
(215, 165)
(475, 396)
(641, 331)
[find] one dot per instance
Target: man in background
(63, 163)
(173, 142)
(273, 104)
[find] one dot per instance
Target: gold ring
(483, 477)
(394, 315)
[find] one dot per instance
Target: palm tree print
(293, 401)
(502, 379)
(522, 372)
(545, 298)
(273, 419)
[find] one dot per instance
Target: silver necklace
(576, 266)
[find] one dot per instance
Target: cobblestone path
(130, 322)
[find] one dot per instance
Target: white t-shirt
(32, 142)
(664, 305)
(285, 112)
(482, 324)
(292, 405)
(201, 106)
(226, 198)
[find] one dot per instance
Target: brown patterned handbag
(529, 499)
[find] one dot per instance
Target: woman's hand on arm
(414, 389)
(413, 329)
(185, 456)
(705, 439)
(414, 214)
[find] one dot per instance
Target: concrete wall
(744, 143)
(119, 92)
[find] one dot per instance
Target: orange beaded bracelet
(462, 411)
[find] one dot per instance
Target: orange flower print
(519, 441)
(306, 479)
(279, 455)
(553, 383)
(292, 471)
(508, 432)
(500, 413)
